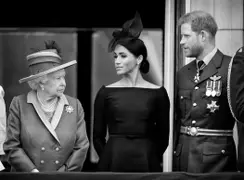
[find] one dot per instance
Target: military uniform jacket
(197, 108)
(34, 142)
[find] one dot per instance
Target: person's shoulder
(70, 98)
(21, 96)
(73, 101)
(19, 99)
(150, 85)
(239, 54)
(101, 92)
(223, 55)
(184, 69)
(160, 89)
(162, 94)
(186, 66)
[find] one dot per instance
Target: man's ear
(204, 35)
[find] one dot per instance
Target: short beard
(196, 51)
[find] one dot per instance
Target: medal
(215, 85)
(219, 87)
(214, 89)
(197, 78)
(213, 93)
(209, 85)
(213, 106)
(208, 93)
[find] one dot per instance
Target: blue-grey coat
(34, 142)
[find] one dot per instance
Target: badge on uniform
(214, 86)
(213, 106)
(197, 78)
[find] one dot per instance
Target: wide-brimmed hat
(235, 84)
(45, 61)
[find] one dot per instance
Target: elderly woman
(46, 129)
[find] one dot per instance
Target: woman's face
(56, 84)
(125, 61)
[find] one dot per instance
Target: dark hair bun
(144, 68)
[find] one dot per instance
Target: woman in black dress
(134, 111)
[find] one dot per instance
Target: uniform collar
(209, 56)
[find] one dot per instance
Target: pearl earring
(42, 88)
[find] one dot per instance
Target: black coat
(236, 99)
(199, 154)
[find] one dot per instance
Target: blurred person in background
(2, 128)
(134, 111)
(235, 91)
(46, 129)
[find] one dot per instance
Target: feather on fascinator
(131, 29)
(52, 45)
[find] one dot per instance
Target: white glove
(34, 170)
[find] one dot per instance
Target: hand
(34, 170)
(1, 92)
(62, 169)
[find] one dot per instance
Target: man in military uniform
(235, 92)
(203, 127)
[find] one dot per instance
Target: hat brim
(57, 68)
(235, 85)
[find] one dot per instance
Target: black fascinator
(131, 29)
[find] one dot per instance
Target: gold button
(196, 87)
(56, 162)
(223, 151)
(42, 161)
(43, 148)
(57, 149)
(193, 122)
(174, 152)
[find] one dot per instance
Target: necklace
(48, 107)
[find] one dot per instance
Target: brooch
(69, 109)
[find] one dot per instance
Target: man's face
(190, 41)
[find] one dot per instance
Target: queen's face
(125, 61)
(56, 84)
